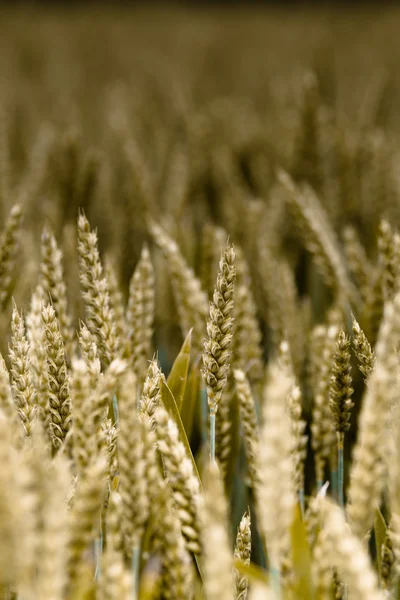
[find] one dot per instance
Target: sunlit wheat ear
(319, 236)
(224, 430)
(340, 402)
(38, 357)
(217, 346)
(140, 314)
(95, 292)
(116, 579)
(190, 299)
(367, 472)
(83, 430)
(179, 472)
(362, 349)
(21, 374)
(7, 405)
(242, 552)
(249, 424)
(323, 438)
(217, 565)
(297, 422)
(83, 515)
(177, 566)
(89, 353)
(389, 258)
(152, 468)
(339, 547)
(9, 242)
(131, 466)
(52, 576)
(151, 395)
(10, 515)
(276, 495)
(58, 381)
(90, 406)
(393, 472)
(52, 287)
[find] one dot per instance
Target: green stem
(115, 410)
(275, 577)
(98, 549)
(334, 484)
(212, 437)
(135, 569)
(302, 502)
(341, 470)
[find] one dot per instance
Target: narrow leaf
(301, 557)
(178, 375)
(191, 399)
(170, 405)
(380, 533)
(254, 573)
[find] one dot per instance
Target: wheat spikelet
(224, 427)
(140, 314)
(108, 441)
(131, 466)
(9, 242)
(59, 396)
(363, 351)
(52, 287)
(151, 396)
(217, 352)
(217, 566)
(21, 376)
(95, 292)
(184, 484)
(38, 357)
(242, 552)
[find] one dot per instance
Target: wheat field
(199, 303)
